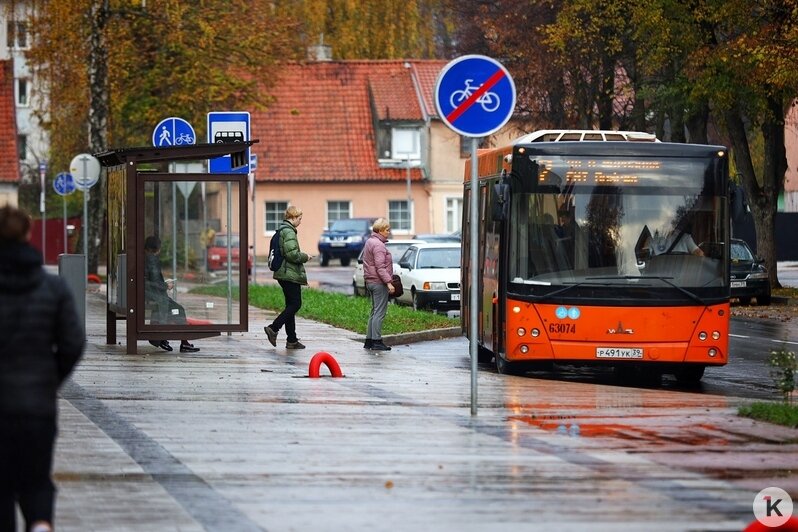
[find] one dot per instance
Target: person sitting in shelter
(166, 309)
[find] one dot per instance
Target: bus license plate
(619, 352)
(738, 284)
(455, 297)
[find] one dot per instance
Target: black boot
(378, 345)
(369, 343)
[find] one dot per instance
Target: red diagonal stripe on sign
(463, 107)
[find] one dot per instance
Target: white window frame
(348, 214)
(396, 229)
(406, 143)
(273, 208)
(22, 92)
(453, 207)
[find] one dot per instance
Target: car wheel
(345, 261)
(763, 299)
(745, 300)
(325, 259)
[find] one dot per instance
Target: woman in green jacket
(291, 277)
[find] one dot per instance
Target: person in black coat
(165, 309)
(43, 339)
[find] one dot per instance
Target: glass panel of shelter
(190, 229)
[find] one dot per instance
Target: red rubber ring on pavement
(327, 359)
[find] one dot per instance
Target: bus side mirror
(500, 202)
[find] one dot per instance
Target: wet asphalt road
(747, 375)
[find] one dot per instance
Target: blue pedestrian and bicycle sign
(63, 184)
(173, 131)
(475, 95)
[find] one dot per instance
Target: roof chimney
(321, 51)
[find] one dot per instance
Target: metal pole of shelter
(254, 233)
(472, 292)
(85, 162)
(63, 200)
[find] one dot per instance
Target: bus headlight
(712, 352)
(521, 331)
(525, 349)
(716, 335)
(702, 336)
(535, 333)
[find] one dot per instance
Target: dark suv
(344, 240)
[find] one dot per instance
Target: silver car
(396, 248)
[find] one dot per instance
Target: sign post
(42, 173)
(475, 97)
(64, 185)
(224, 127)
(85, 169)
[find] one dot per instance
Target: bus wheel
(484, 356)
(508, 368)
(689, 374)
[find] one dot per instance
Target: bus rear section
(604, 253)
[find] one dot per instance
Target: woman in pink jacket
(377, 272)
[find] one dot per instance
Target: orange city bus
(600, 247)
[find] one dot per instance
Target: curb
(420, 336)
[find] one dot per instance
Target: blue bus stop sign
(173, 131)
(475, 95)
(228, 127)
(63, 184)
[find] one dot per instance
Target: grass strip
(339, 310)
(778, 413)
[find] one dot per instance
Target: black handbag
(398, 290)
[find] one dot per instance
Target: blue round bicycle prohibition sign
(173, 131)
(475, 95)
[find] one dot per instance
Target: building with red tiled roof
(9, 154)
(352, 139)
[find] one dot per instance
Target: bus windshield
(618, 228)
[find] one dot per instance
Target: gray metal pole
(85, 161)
(63, 198)
(43, 209)
(409, 195)
(474, 278)
(174, 237)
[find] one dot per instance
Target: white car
(430, 275)
(396, 248)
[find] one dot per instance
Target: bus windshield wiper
(561, 290)
(666, 280)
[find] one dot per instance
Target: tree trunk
(761, 201)
(696, 122)
(98, 124)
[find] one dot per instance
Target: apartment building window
(454, 214)
(22, 147)
(399, 216)
(273, 213)
(338, 210)
(22, 92)
(17, 35)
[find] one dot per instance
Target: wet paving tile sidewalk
(236, 437)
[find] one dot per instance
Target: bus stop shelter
(189, 211)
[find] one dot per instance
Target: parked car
(344, 240)
(749, 277)
(397, 249)
(217, 253)
(439, 237)
(430, 275)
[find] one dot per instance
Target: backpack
(275, 253)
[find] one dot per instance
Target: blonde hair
(292, 213)
(380, 224)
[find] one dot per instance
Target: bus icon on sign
(222, 137)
